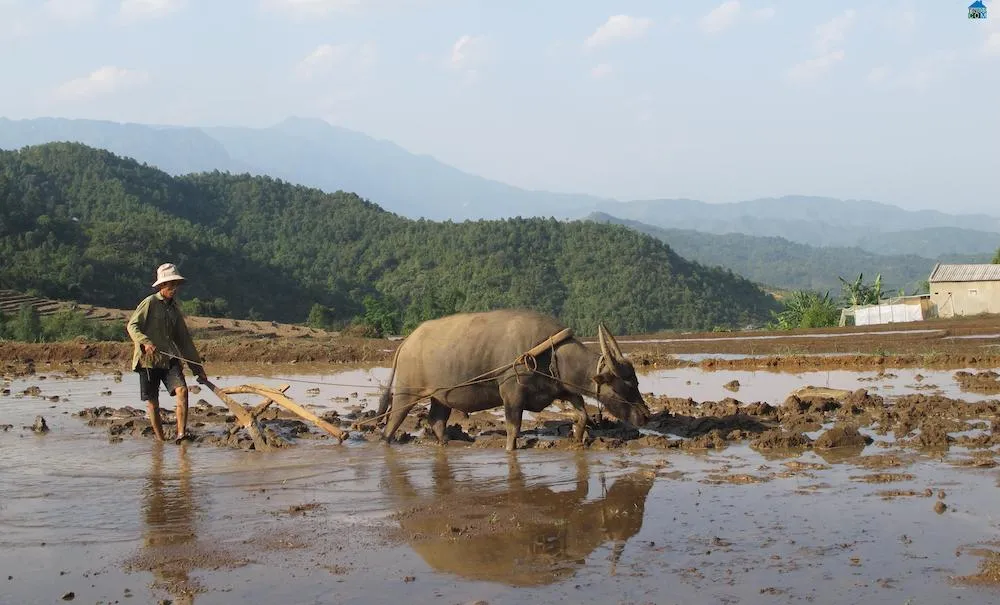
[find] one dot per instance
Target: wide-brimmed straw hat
(167, 272)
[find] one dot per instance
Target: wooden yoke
(551, 341)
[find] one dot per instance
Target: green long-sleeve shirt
(157, 320)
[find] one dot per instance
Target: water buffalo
(442, 353)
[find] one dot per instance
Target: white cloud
(618, 28)
(103, 81)
(137, 10)
(601, 70)
(721, 18)
(310, 8)
(466, 52)
(322, 58)
(763, 14)
(70, 10)
(834, 31)
(812, 69)
(325, 57)
(827, 36)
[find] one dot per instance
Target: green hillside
(81, 223)
(780, 263)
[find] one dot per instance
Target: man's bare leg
(153, 412)
(182, 410)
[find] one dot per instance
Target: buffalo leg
(401, 406)
(437, 416)
(513, 407)
(580, 426)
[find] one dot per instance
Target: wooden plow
(249, 419)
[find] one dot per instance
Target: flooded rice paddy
(90, 520)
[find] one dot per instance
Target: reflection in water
(169, 533)
(516, 533)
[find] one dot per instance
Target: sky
(894, 101)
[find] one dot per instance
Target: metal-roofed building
(965, 289)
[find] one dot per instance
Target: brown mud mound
(987, 382)
(892, 494)
(735, 479)
(884, 477)
(925, 421)
(882, 461)
(777, 439)
(989, 568)
(842, 437)
(981, 459)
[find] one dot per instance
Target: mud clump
(842, 437)
(881, 461)
(884, 478)
(40, 426)
(989, 569)
(987, 381)
(732, 385)
(777, 439)
(735, 479)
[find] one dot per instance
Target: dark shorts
(151, 378)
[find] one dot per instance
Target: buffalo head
(617, 385)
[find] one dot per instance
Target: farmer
(162, 341)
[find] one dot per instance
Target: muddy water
(774, 387)
(363, 523)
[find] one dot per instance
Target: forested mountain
(77, 222)
(819, 221)
(780, 263)
(307, 152)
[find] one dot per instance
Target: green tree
(320, 317)
(996, 257)
(807, 309)
(381, 318)
(858, 293)
(26, 325)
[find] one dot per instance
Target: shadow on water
(517, 531)
(169, 532)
